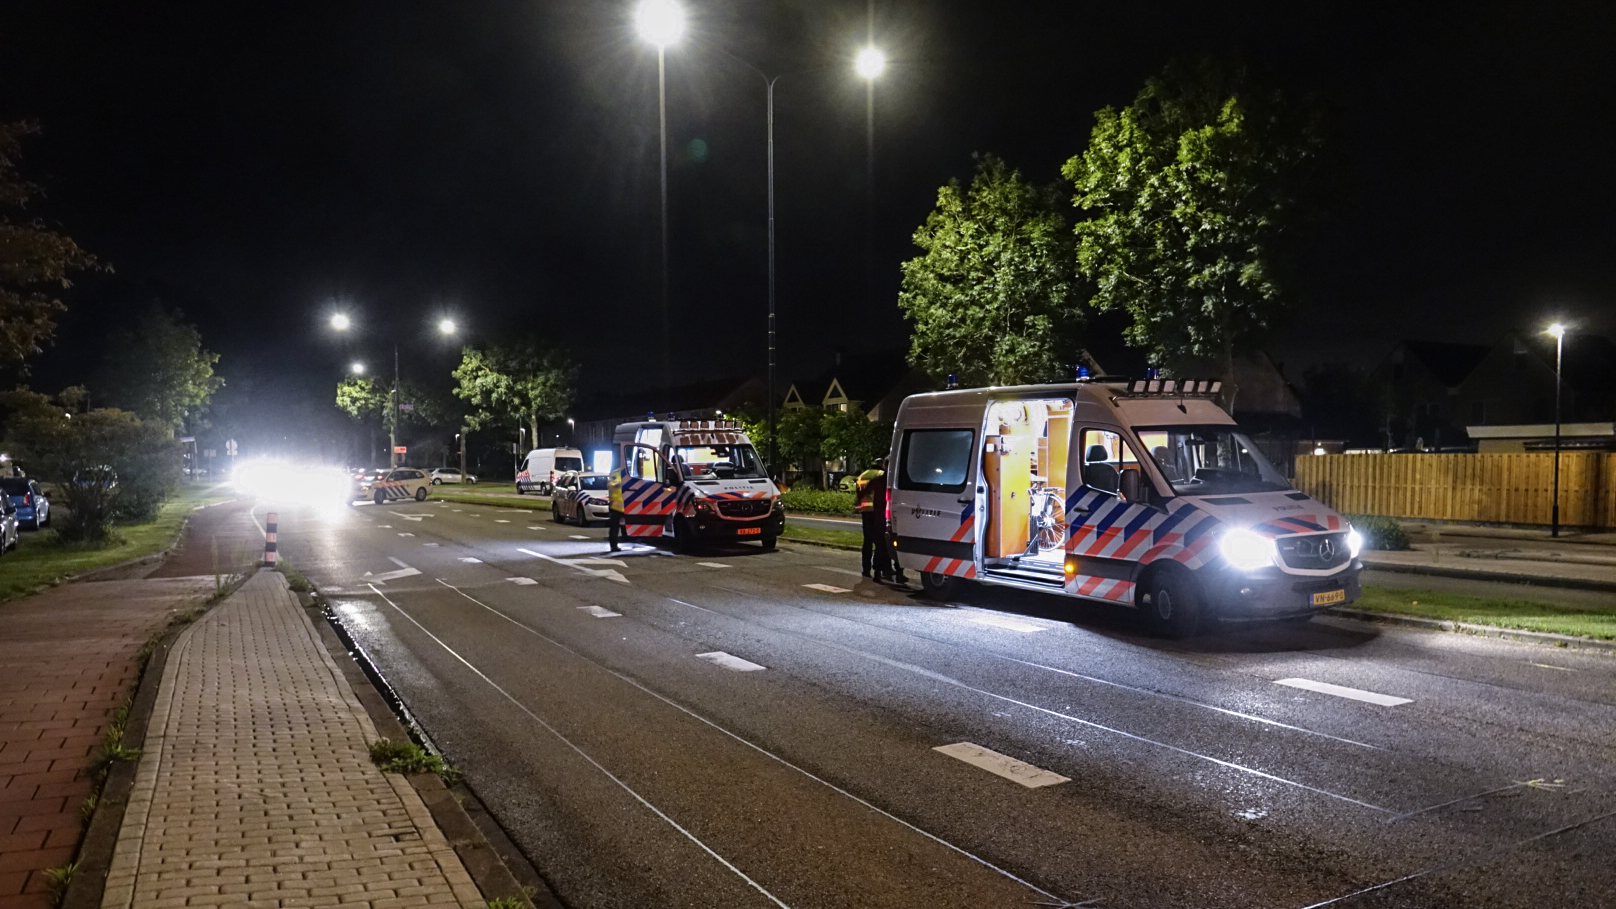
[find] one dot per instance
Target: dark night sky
(497, 160)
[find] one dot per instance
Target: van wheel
(936, 585)
(1174, 609)
(555, 513)
(519, 490)
(420, 494)
(768, 544)
(683, 543)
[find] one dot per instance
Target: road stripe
(471, 561)
(728, 661)
(712, 565)
(1559, 668)
(576, 536)
(522, 582)
(1002, 765)
(536, 527)
(385, 526)
(608, 573)
(406, 534)
(501, 521)
(405, 572)
(601, 612)
(1009, 624)
(1368, 697)
(827, 588)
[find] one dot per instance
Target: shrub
(818, 501)
(1379, 532)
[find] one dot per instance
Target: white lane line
(471, 561)
(522, 582)
(1556, 668)
(582, 753)
(412, 517)
(712, 565)
(1009, 624)
(538, 527)
(729, 661)
(576, 536)
(385, 526)
(610, 574)
(458, 510)
(601, 612)
(501, 521)
(406, 534)
(846, 571)
(618, 562)
(827, 588)
(429, 544)
(1002, 765)
(1356, 694)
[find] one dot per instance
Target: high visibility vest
(866, 489)
(614, 484)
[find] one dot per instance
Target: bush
(819, 501)
(1379, 532)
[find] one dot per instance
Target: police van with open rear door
(1139, 492)
(687, 482)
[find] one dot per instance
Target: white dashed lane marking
(471, 561)
(501, 521)
(1340, 691)
(576, 536)
(712, 564)
(522, 582)
(728, 661)
(406, 534)
(600, 612)
(827, 588)
(1002, 765)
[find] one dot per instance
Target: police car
(395, 485)
(580, 497)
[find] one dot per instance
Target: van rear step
(1030, 573)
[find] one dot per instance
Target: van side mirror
(1133, 485)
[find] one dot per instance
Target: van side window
(1105, 457)
(935, 460)
(645, 465)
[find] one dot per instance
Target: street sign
(400, 449)
(406, 407)
(208, 452)
(230, 447)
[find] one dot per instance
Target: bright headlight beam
(1354, 542)
(1246, 550)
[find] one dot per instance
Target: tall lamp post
(869, 63)
(1558, 330)
(341, 322)
(661, 22)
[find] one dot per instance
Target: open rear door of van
(933, 489)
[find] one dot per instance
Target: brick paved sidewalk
(69, 657)
(256, 786)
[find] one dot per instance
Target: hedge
(819, 501)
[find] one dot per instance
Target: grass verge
(39, 561)
(823, 536)
(469, 498)
(1522, 615)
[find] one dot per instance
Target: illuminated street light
(357, 368)
(340, 321)
(446, 326)
(661, 22)
(870, 62)
(1558, 330)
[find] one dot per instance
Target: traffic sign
(230, 447)
(400, 449)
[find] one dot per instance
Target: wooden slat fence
(1489, 488)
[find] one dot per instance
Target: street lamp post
(869, 63)
(661, 22)
(1558, 331)
(341, 322)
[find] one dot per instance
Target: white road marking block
(712, 564)
(601, 612)
(576, 536)
(501, 521)
(429, 544)
(618, 562)
(1002, 765)
(522, 582)
(1368, 697)
(720, 658)
(827, 588)
(1559, 668)
(535, 527)
(405, 572)
(385, 526)
(1009, 624)
(610, 574)
(458, 510)
(406, 534)
(471, 561)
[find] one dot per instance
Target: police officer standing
(871, 504)
(614, 518)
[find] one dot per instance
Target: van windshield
(566, 464)
(720, 462)
(1210, 460)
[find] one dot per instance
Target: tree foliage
(35, 260)
(527, 383)
(159, 370)
(800, 438)
(1187, 192)
(851, 436)
(366, 398)
(990, 297)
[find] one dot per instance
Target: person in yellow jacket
(871, 504)
(614, 517)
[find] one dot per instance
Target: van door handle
(967, 500)
(1082, 510)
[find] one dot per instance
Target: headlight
(1246, 550)
(1354, 542)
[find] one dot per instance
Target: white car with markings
(396, 485)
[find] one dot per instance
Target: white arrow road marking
(404, 571)
(999, 621)
(712, 564)
(1002, 765)
(720, 658)
(522, 582)
(1368, 697)
(412, 517)
(827, 588)
(471, 561)
(611, 574)
(601, 612)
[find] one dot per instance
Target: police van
(693, 481)
(1138, 492)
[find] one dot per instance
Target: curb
(1483, 574)
(1542, 638)
(822, 545)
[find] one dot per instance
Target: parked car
(33, 508)
(9, 538)
(580, 497)
(396, 484)
(441, 475)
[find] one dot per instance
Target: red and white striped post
(270, 523)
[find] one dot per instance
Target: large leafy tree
(35, 260)
(851, 436)
(526, 383)
(160, 370)
(1188, 192)
(990, 296)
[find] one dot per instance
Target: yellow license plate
(748, 531)
(1329, 596)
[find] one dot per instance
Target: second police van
(1144, 493)
(692, 481)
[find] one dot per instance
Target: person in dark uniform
(871, 504)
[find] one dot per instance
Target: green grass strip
(848, 538)
(1500, 612)
(39, 561)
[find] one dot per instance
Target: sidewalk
(1513, 555)
(256, 787)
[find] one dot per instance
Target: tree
(35, 260)
(990, 297)
(1188, 192)
(160, 370)
(851, 436)
(800, 439)
(526, 382)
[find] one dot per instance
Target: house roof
(1448, 361)
(865, 377)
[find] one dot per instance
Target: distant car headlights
(1247, 550)
(1354, 542)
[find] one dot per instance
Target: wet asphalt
(740, 728)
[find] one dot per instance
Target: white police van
(1144, 493)
(695, 481)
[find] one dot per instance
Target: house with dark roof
(877, 381)
(1422, 380)
(1508, 399)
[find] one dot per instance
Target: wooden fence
(1489, 488)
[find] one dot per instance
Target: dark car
(33, 509)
